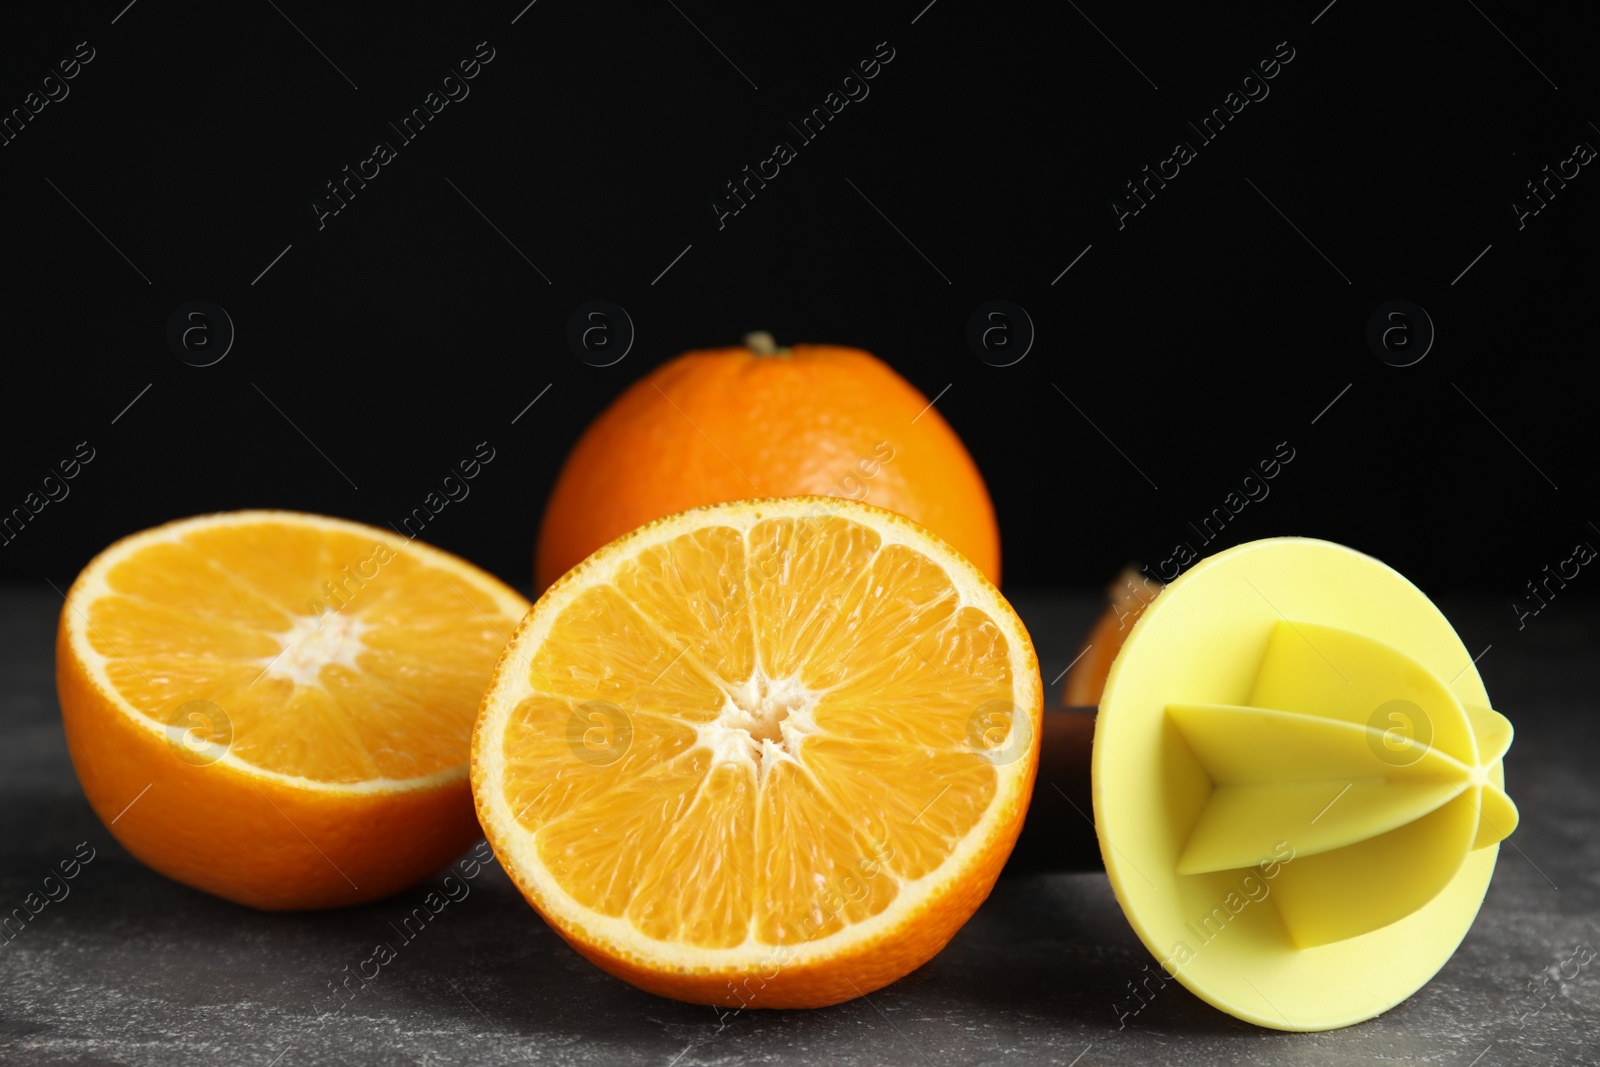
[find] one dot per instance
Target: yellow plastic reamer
(1298, 784)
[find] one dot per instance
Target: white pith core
(313, 642)
(762, 722)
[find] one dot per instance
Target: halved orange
(770, 753)
(276, 707)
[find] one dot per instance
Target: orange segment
(687, 893)
(791, 558)
(782, 740)
(810, 875)
(598, 850)
(281, 685)
(916, 827)
(544, 734)
(605, 649)
(689, 588)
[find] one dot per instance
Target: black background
(1196, 339)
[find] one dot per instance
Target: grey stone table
(130, 968)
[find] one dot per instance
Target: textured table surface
(132, 968)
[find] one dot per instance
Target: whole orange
(758, 421)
